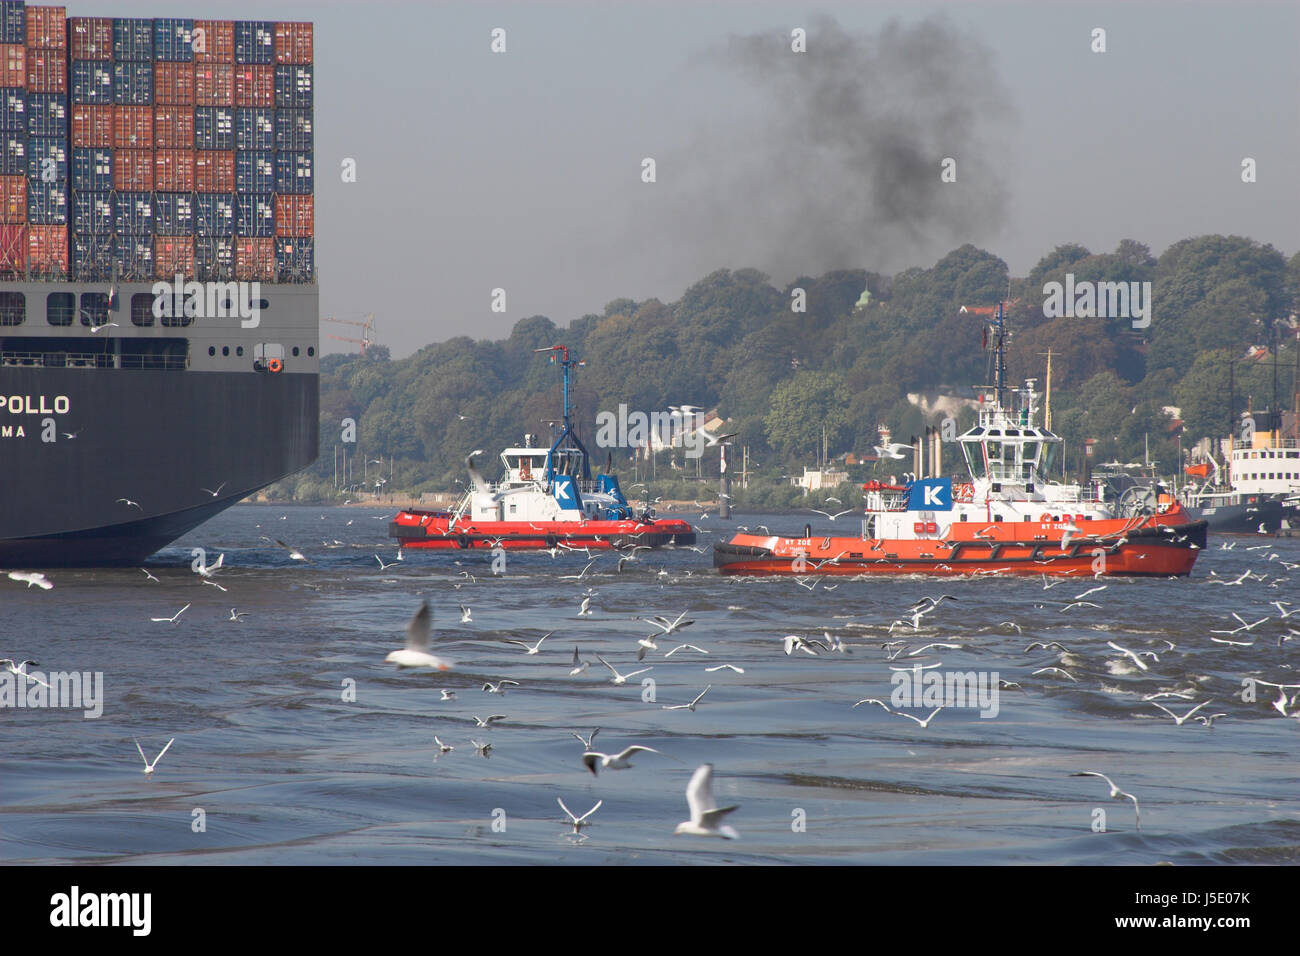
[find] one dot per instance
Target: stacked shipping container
(143, 148)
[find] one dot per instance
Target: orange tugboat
(1008, 518)
(547, 498)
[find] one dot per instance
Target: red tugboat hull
(1155, 545)
(414, 528)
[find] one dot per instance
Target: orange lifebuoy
(275, 365)
(1044, 517)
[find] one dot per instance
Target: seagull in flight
(1048, 646)
(173, 618)
(687, 647)
(792, 641)
(732, 667)
(593, 760)
(416, 653)
(1115, 793)
(1179, 721)
(482, 749)
(487, 721)
(579, 665)
(129, 503)
(832, 517)
(706, 816)
(1132, 656)
(465, 615)
(148, 767)
(585, 741)
(499, 687)
(21, 669)
(1048, 670)
(536, 648)
(237, 615)
(442, 748)
(691, 705)
(668, 627)
(31, 578)
(382, 566)
(294, 553)
(448, 694)
(618, 678)
(218, 491)
(150, 576)
(578, 822)
(584, 610)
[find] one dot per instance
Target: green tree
(801, 407)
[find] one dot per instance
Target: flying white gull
(618, 678)
(1115, 793)
(416, 653)
(691, 705)
(31, 577)
(593, 760)
(148, 767)
(578, 822)
(706, 817)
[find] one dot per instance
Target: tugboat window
(60, 307)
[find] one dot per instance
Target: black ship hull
(156, 438)
(1262, 516)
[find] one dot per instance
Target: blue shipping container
(47, 158)
(133, 214)
(214, 214)
(254, 41)
(92, 168)
(132, 39)
(254, 171)
(13, 153)
(92, 81)
(293, 130)
(92, 213)
(13, 22)
(173, 39)
(293, 173)
(214, 258)
(134, 257)
(47, 203)
(255, 215)
(293, 87)
(47, 114)
(173, 214)
(92, 258)
(13, 108)
(133, 84)
(254, 128)
(214, 127)
(294, 260)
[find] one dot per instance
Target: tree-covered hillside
(736, 342)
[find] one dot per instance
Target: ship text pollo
(37, 405)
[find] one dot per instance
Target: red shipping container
(214, 84)
(92, 125)
(173, 170)
(13, 251)
(173, 84)
(47, 249)
(13, 199)
(47, 71)
(293, 43)
(173, 255)
(294, 216)
(255, 259)
(133, 169)
(218, 41)
(254, 85)
(13, 64)
(90, 38)
(173, 127)
(132, 127)
(47, 29)
(214, 171)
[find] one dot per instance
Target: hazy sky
(522, 170)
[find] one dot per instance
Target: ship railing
(1239, 445)
(92, 360)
